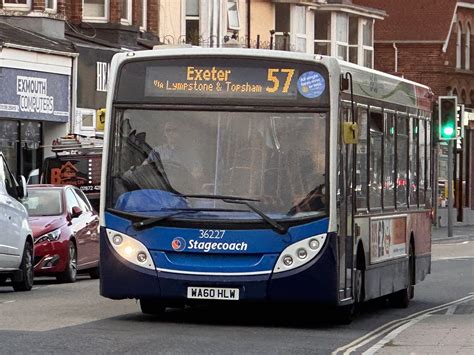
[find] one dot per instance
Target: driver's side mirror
(21, 189)
(76, 212)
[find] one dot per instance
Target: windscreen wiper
(245, 201)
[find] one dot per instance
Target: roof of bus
(393, 83)
(167, 51)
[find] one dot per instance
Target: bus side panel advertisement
(387, 238)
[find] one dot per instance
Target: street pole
(450, 188)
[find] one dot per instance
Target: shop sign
(33, 95)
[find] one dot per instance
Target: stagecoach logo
(178, 244)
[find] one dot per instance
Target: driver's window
(71, 200)
(83, 203)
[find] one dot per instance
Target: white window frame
(467, 47)
(339, 43)
(128, 19)
(326, 41)
(144, 19)
(184, 18)
(54, 9)
(19, 7)
(236, 2)
(103, 19)
(458, 46)
(364, 47)
(360, 40)
(294, 20)
(80, 113)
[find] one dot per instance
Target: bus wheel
(401, 299)
(152, 307)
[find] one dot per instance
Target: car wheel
(401, 299)
(94, 273)
(26, 267)
(152, 307)
(70, 272)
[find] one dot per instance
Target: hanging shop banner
(387, 238)
(33, 95)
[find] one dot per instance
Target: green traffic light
(448, 131)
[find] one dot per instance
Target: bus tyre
(26, 267)
(401, 299)
(152, 307)
(70, 272)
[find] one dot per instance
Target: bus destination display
(233, 82)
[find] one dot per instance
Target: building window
(367, 44)
(342, 40)
(126, 12)
(51, 5)
(143, 25)
(467, 48)
(17, 4)
(459, 46)
(233, 19)
(322, 33)
(192, 22)
(354, 39)
(95, 10)
(282, 26)
(299, 24)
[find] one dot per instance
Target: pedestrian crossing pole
(450, 188)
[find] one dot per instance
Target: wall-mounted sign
(33, 95)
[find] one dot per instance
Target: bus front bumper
(315, 282)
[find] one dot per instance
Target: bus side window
(389, 162)
(428, 166)
(361, 161)
(376, 160)
(402, 161)
(413, 194)
(422, 162)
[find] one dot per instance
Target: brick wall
(38, 5)
(137, 12)
(152, 22)
(72, 10)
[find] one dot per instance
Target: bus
(263, 176)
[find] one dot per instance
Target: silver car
(16, 238)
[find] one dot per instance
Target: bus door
(345, 208)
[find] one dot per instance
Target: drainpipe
(396, 56)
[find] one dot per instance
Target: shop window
(322, 33)
(95, 10)
(282, 26)
(9, 142)
(376, 160)
(30, 143)
(342, 36)
(233, 19)
(192, 21)
(17, 4)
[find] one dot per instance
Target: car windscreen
(44, 202)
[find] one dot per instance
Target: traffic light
(448, 107)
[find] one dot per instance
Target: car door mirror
(22, 191)
(76, 212)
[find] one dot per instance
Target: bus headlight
(299, 253)
(130, 249)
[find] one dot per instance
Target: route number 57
(271, 76)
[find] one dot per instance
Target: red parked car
(65, 230)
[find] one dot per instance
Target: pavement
(444, 330)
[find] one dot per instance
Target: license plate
(213, 293)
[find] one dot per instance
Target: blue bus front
(222, 195)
